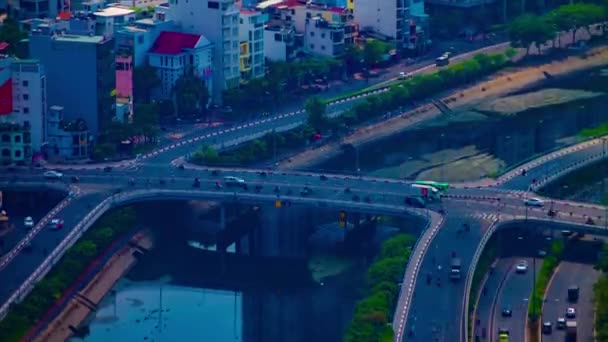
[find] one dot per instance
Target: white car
(534, 202)
(53, 175)
(405, 75)
(235, 181)
(570, 313)
(28, 222)
(521, 267)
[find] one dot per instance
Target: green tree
(316, 110)
(145, 79)
(146, 119)
(576, 16)
(10, 33)
(528, 29)
(373, 51)
(191, 95)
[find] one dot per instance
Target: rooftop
(79, 39)
(173, 43)
(114, 11)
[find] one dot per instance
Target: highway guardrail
(411, 275)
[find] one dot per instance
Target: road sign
(277, 203)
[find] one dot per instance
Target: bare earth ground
(501, 83)
(512, 105)
(58, 330)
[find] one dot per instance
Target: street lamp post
(604, 183)
(357, 167)
(442, 157)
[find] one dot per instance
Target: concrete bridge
(485, 203)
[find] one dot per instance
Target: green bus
(439, 186)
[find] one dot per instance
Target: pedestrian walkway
(86, 301)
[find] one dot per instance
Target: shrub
(374, 312)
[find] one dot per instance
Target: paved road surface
(436, 311)
(515, 294)
(489, 293)
(568, 274)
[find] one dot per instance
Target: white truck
(570, 331)
(429, 193)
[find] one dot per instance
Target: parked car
(53, 175)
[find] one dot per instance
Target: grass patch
(550, 262)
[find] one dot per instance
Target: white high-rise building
(218, 21)
(29, 99)
(382, 16)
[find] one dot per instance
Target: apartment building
(251, 36)
(323, 38)
(218, 21)
(29, 99)
(77, 64)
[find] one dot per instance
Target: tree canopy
(528, 29)
(191, 95)
(316, 108)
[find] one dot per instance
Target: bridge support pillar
(222, 217)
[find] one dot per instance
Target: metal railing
(54, 256)
(411, 271)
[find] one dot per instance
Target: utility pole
(274, 146)
(357, 168)
(441, 147)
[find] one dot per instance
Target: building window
(312, 46)
(213, 4)
(6, 138)
(25, 83)
(26, 110)
(18, 153)
(6, 152)
(312, 34)
(322, 47)
(26, 97)
(17, 138)
(308, 15)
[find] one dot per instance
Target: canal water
(489, 137)
(178, 291)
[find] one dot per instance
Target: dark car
(323, 177)
(547, 328)
(507, 312)
(107, 168)
(307, 191)
(75, 179)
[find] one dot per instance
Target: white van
(234, 181)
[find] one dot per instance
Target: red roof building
(173, 43)
(175, 53)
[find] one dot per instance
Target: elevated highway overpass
(485, 202)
